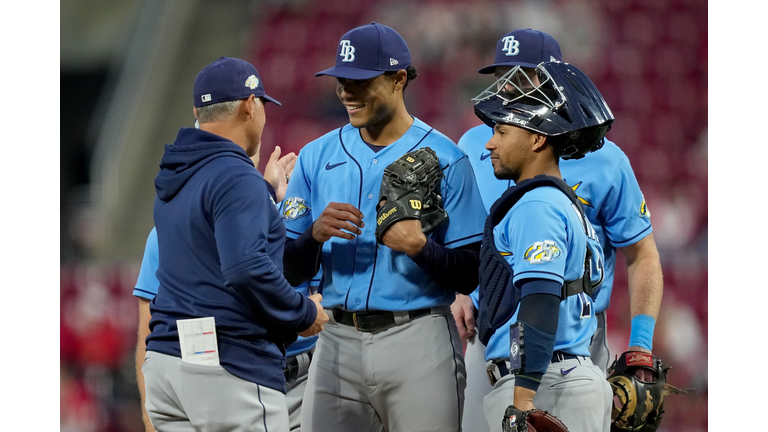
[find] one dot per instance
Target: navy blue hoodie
(221, 243)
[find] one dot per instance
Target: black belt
(292, 369)
(503, 370)
(371, 321)
(559, 356)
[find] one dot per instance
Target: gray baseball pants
(573, 390)
(408, 378)
(294, 393)
(598, 349)
(184, 397)
(477, 387)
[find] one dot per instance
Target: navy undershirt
(375, 148)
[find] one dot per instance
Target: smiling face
(512, 149)
(370, 102)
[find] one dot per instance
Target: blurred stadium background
(127, 70)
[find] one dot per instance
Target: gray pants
(581, 399)
(184, 397)
(294, 393)
(477, 387)
(598, 350)
(406, 378)
(477, 381)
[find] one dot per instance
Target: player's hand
(320, 320)
(524, 398)
(335, 218)
(405, 236)
(463, 311)
(278, 171)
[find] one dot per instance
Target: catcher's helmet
(565, 106)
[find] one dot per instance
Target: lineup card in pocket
(197, 337)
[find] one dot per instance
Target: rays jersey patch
(644, 212)
(294, 208)
(542, 252)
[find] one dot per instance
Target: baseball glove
(639, 384)
(410, 189)
(531, 421)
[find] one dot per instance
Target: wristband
(642, 331)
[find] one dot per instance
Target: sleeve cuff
(271, 191)
(529, 381)
(426, 253)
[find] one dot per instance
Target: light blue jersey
(147, 284)
(542, 237)
(603, 181)
(359, 274)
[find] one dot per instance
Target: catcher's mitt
(410, 189)
(531, 421)
(639, 384)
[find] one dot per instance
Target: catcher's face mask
(518, 84)
(559, 101)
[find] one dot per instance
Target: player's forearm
(451, 269)
(140, 353)
(141, 350)
(538, 317)
(523, 399)
(646, 287)
(264, 288)
(301, 258)
(646, 282)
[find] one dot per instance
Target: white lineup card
(197, 337)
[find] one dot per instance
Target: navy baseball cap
(524, 47)
(368, 51)
(228, 79)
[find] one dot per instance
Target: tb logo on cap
(347, 51)
(511, 46)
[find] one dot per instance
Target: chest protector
(498, 297)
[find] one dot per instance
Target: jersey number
(586, 306)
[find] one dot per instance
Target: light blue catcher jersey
(542, 237)
(603, 181)
(358, 274)
(147, 284)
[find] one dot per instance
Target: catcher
(541, 262)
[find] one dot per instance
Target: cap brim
(349, 72)
(273, 100)
(492, 68)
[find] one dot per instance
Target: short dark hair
(412, 74)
